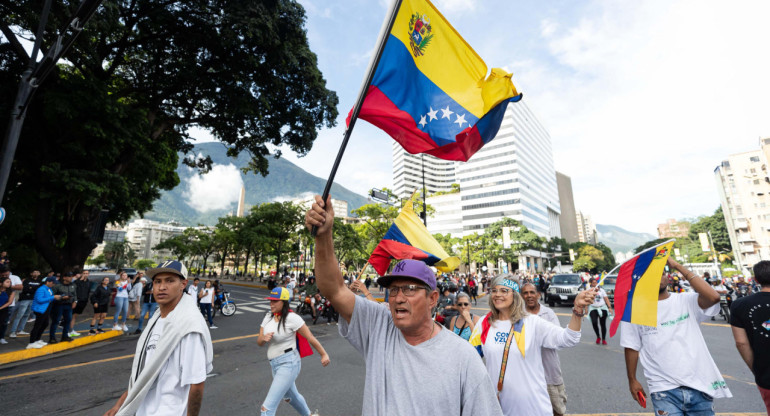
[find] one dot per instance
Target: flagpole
(384, 34)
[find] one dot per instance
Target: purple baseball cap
(410, 269)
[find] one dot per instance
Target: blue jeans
(121, 305)
(682, 401)
(61, 311)
(206, 311)
(146, 307)
(23, 309)
(285, 370)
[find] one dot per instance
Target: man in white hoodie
(173, 355)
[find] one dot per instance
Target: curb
(25, 354)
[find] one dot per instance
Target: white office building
(144, 235)
(448, 216)
(586, 228)
(512, 176)
(407, 172)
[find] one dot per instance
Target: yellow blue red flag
(637, 287)
(408, 238)
(431, 92)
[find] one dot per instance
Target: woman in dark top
(463, 323)
(6, 299)
(101, 300)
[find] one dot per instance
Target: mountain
(284, 182)
(620, 240)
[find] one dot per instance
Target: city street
(87, 381)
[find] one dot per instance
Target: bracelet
(578, 314)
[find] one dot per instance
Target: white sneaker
(3, 341)
(41, 343)
(125, 328)
(23, 333)
(34, 345)
(74, 334)
(13, 335)
(212, 327)
(116, 328)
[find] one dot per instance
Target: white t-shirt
(185, 366)
(207, 293)
(290, 286)
(283, 339)
(192, 290)
(524, 387)
(551, 363)
(15, 280)
(123, 287)
(674, 353)
(599, 299)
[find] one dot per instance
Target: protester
(599, 311)
(41, 306)
(62, 308)
(123, 286)
(24, 304)
(551, 364)
(148, 306)
(173, 356)
(206, 298)
(219, 289)
(4, 261)
(401, 344)
(16, 286)
(446, 307)
(101, 301)
(6, 298)
(511, 341)
(462, 324)
(192, 290)
(676, 380)
(135, 294)
(82, 292)
(749, 319)
(279, 329)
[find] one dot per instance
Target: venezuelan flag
(408, 238)
(429, 90)
(637, 287)
(479, 335)
(601, 279)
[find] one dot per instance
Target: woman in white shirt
(599, 311)
(279, 330)
(206, 297)
(518, 372)
(123, 286)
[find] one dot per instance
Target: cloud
(289, 198)
(455, 5)
(216, 190)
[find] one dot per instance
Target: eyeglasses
(502, 291)
(463, 304)
(407, 290)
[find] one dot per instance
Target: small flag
(430, 90)
(601, 279)
(408, 238)
(637, 287)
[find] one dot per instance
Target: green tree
(97, 260)
(590, 259)
(377, 219)
(143, 264)
(283, 222)
(347, 244)
(118, 254)
(651, 243)
(521, 239)
(106, 129)
(448, 243)
(716, 224)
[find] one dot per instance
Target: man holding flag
(686, 382)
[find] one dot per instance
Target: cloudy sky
(642, 99)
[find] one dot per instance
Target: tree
(448, 243)
(651, 243)
(283, 221)
(106, 128)
(377, 219)
(521, 239)
(347, 243)
(118, 253)
(590, 259)
(97, 260)
(718, 227)
(143, 264)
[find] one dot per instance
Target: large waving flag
(637, 287)
(408, 238)
(429, 90)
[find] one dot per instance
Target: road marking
(122, 357)
(250, 309)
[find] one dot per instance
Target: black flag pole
(384, 34)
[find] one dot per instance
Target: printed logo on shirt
(760, 309)
(675, 321)
(501, 337)
(718, 384)
(766, 325)
(153, 342)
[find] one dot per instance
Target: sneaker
(604, 342)
(116, 328)
(67, 339)
(213, 327)
(41, 343)
(23, 333)
(74, 333)
(99, 331)
(31, 319)
(138, 332)
(35, 346)
(3, 341)
(12, 335)
(92, 332)
(125, 328)
(52, 341)
(598, 340)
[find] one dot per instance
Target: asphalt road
(87, 381)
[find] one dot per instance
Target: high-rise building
(447, 217)
(586, 228)
(407, 172)
(512, 176)
(743, 185)
(568, 218)
(673, 229)
(144, 235)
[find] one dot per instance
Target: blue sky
(642, 99)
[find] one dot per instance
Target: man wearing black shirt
(24, 305)
(148, 306)
(750, 320)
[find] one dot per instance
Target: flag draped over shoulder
(408, 238)
(479, 335)
(429, 90)
(637, 287)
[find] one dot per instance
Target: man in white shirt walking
(686, 382)
(173, 355)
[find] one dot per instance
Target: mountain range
(285, 181)
(620, 240)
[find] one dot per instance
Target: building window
(754, 159)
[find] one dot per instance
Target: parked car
(609, 287)
(563, 289)
(131, 272)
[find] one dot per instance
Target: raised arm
(707, 296)
(328, 276)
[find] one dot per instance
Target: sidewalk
(16, 349)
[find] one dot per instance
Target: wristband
(578, 314)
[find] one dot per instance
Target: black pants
(602, 318)
(41, 322)
(3, 322)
